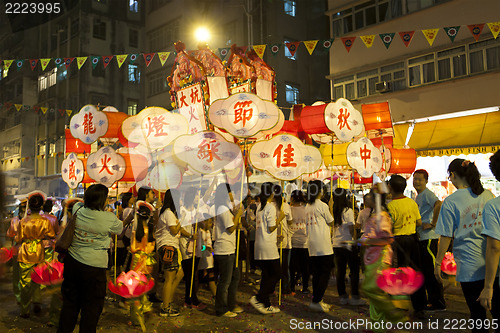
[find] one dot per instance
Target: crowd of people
(319, 233)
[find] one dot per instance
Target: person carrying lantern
(11, 233)
(319, 220)
(142, 247)
(490, 295)
(31, 232)
(406, 218)
(377, 240)
(429, 206)
(461, 219)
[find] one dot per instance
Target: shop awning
(455, 136)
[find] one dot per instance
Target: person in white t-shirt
(225, 252)
(299, 257)
(284, 239)
(344, 253)
(204, 245)
(167, 242)
(319, 220)
(266, 250)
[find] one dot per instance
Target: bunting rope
(386, 38)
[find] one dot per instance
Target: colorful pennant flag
(311, 45)
(61, 112)
(163, 56)
(120, 59)
(80, 61)
(58, 61)
(44, 62)
(68, 61)
(494, 28)
(44, 109)
(275, 48)
(430, 35)
(406, 37)
(36, 109)
(387, 39)
(292, 47)
(6, 64)
(368, 40)
(33, 63)
(132, 59)
(452, 32)
(475, 30)
(348, 41)
(260, 49)
(19, 64)
(148, 57)
(18, 106)
(69, 112)
(106, 60)
(327, 43)
(223, 52)
(95, 61)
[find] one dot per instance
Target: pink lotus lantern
(400, 281)
(48, 273)
(5, 255)
(449, 266)
(131, 284)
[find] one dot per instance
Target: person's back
(405, 214)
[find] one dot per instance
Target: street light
(202, 34)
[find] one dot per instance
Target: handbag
(64, 242)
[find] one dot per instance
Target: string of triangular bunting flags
(36, 108)
(311, 45)
(27, 158)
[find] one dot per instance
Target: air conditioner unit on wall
(383, 86)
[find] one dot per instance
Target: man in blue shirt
(429, 206)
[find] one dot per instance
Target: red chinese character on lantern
(342, 119)
(208, 150)
(105, 160)
(182, 100)
(195, 97)
(287, 156)
(72, 174)
(155, 124)
(242, 112)
(192, 114)
(88, 125)
(365, 154)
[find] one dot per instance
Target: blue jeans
(229, 277)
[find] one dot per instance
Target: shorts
(174, 264)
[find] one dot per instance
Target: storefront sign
(458, 151)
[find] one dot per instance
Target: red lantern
(387, 141)
(400, 281)
(131, 284)
(449, 266)
(48, 273)
(376, 116)
(312, 119)
(5, 255)
(290, 127)
(115, 120)
(360, 180)
(75, 145)
(136, 167)
(403, 161)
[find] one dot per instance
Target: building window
(292, 94)
(290, 6)
(47, 80)
(165, 36)
(99, 29)
(11, 148)
(133, 38)
(42, 82)
(451, 63)
(62, 75)
(288, 54)
(394, 73)
(158, 83)
(133, 6)
(484, 55)
(421, 70)
(134, 75)
(132, 107)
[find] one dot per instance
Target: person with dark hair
(226, 223)
(250, 217)
(11, 233)
(490, 296)
(206, 272)
(343, 252)
(377, 239)
(48, 244)
(167, 242)
(127, 204)
(461, 219)
(266, 249)
(284, 239)
(32, 230)
(429, 206)
(319, 220)
(299, 256)
(406, 218)
(84, 285)
(142, 250)
(364, 214)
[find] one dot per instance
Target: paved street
(293, 311)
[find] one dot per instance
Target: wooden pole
(195, 238)
(243, 177)
(281, 247)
